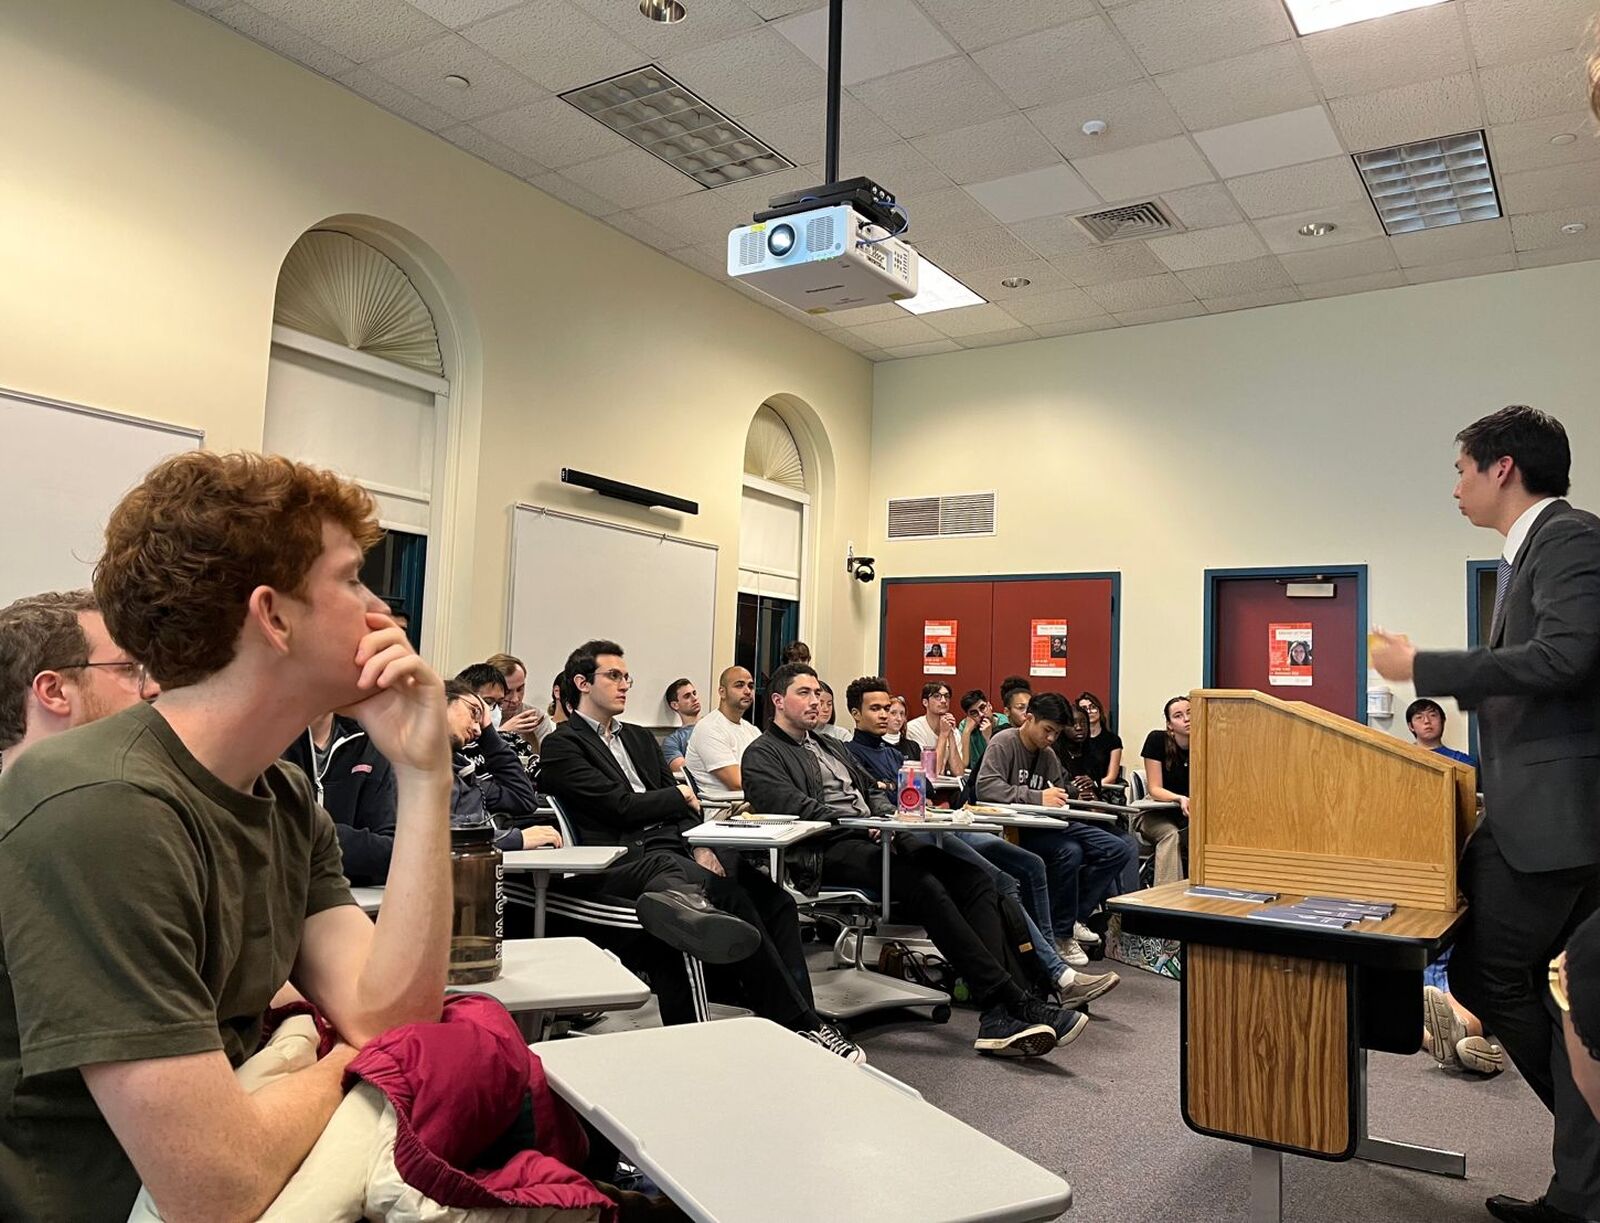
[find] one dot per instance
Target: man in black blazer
(1531, 872)
(611, 780)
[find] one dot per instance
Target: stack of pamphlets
(1325, 913)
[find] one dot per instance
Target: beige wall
(158, 167)
(1315, 433)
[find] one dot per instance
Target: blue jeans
(1022, 865)
(1085, 863)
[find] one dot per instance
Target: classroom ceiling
(971, 112)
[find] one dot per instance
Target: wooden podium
(1286, 798)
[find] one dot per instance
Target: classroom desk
(820, 1139)
(889, 828)
(568, 860)
(1252, 990)
(368, 898)
(542, 977)
(1026, 815)
(731, 834)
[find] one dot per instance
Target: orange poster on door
(939, 647)
(1047, 653)
(1289, 655)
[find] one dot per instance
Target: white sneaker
(1084, 935)
(1073, 953)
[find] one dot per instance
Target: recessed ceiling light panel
(1431, 183)
(667, 121)
(938, 290)
(1312, 16)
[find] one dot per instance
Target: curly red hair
(185, 548)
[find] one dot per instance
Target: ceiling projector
(826, 257)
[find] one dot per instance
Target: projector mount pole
(835, 56)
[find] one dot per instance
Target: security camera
(858, 567)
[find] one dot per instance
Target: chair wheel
(941, 1013)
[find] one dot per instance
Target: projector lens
(781, 240)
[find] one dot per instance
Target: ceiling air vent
(1144, 220)
(941, 517)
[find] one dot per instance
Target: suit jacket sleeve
(566, 771)
(1564, 651)
(507, 788)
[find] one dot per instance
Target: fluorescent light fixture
(938, 290)
(1431, 183)
(1312, 16)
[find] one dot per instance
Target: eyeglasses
(621, 678)
(493, 702)
(132, 673)
(1557, 990)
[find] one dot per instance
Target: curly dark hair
(187, 546)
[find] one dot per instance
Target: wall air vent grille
(944, 517)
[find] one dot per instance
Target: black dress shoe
(685, 920)
(1515, 1210)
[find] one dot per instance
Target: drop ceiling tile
(709, 21)
(1035, 193)
(975, 250)
(741, 199)
(929, 349)
(1316, 184)
(465, 136)
(1252, 301)
(1051, 236)
(1341, 262)
(1515, 147)
(1401, 49)
(421, 72)
(754, 71)
(1551, 255)
(1081, 57)
(797, 130)
(1172, 34)
(1270, 81)
(359, 32)
(1159, 314)
(1077, 326)
(1204, 207)
(458, 13)
(1355, 222)
(1506, 31)
(1541, 230)
(949, 210)
(879, 38)
(631, 178)
(994, 339)
(1353, 284)
(1408, 112)
(1134, 114)
(1143, 293)
(1115, 261)
(205, 6)
(1533, 89)
(995, 149)
(908, 330)
(771, 10)
(1289, 139)
(553, 132)
(1205, 247)
(1460, 268)
(285, 40)
(1453, 243)
(637, 227)
(698, 219)
(898, 168)
(556, 44)
(933, 98)
(568, 192)
(1057, 307)
(862, 315)
(396, 100)
(969, 320)
(710, 259)
(1550, 188)
(976, 24)
(1041, 277)
(1232, 279)
(856, 344)
(1146, 170)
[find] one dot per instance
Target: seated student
(828, 719)
(355, 785)
(469, 794)
(1085, 861)
(1166, 771)
(490, 683)
(1079, 776)
(611, 779)
(720, 737)
(556, 710)
(976, 727)
(936, 728)
(1575, 973)
(188, 872)
(1015, 692)
(1010, 867)
(495, 768)
(1425, 718)
(519, 722)
(794, 651)
(791, 770)
(1104, 745)
(684, 701)
(897, 738)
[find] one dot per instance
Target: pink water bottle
(909, 798)
(930, 769)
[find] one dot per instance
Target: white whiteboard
(574, 579)
(63, 469)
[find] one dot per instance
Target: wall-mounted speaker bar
(628, 492)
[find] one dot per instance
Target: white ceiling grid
(971, 112)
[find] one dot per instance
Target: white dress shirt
(609, 736)
(1518, 534)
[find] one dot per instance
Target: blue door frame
(1476, 631)
(1359, 572)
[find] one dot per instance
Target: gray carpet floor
(1103, 1112)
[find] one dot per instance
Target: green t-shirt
(146, 910)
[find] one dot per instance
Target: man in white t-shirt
(719, 738)
(937, 729)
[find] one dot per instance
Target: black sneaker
(1002, 1034)
(837, 1043)
(685, 920)
(1068, 1025)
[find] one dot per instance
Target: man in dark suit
(612, 782)
(1531, 872)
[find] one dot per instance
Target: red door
(1245, 612)
(911, 605)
